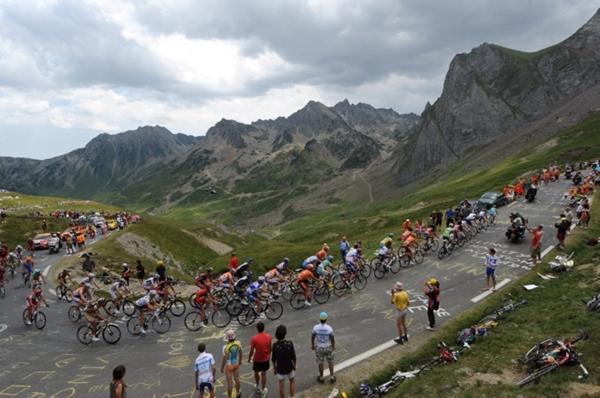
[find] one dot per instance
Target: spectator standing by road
(536, 243)
(432, 291)
(284, 361)
(117, 385)
(450, 214)
(140, 271)
(233, 263)
(161, 270)
(344, 247)
(401, 301)
(88, 264)
(322, 342)
(260, 352)
(230, 363)
(562, 226)
(204, 372)
(491, 263)
(439, 216)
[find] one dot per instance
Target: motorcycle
(577, 178)
(516, 231)
(531, 193)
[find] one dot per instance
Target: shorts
(204, 385)
(490, 271)
(231, 368)
(536, 252)
(401, 313)
(324, 354)
(289, 376)
(114, 295)
(260, 366)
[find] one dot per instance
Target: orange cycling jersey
(305, 275)
(410, 240)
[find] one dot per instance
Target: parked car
(489, 199)
(47, 241)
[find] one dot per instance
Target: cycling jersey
(281, 267)
(310, 260)
(448, 233)
(471, 217)
(383, 242)
(143, 301)
(492, 211)
(384, 251)
(305, 275)
(148, 283)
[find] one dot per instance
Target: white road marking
(361, 357)
(46, 270)
(547, 250)
(3, 327)
(488, 292)
(512, 204)
(52, 291)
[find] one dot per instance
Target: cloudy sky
(71, 69)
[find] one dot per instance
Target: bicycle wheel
(177, 307)
(419, 256)
(74, 313)
(441, 253)
(431, 364)
(360, 282)
(110, 308)
(234, 307)
(394, 264)
(68, 295)
(26, 317)
(340, 288)
(274, 311)
(2, 292)
(405, 261)
(461, 242)
(220, 318)
(434, 244)
(40, 320)
(380, 270)
(220, 298)
(161, 323)
(246, 317)
(111, 334)
(365, 270)
(128, 308)
(297, 301)
(84, 334)
(133, 326)
(322, 294)
(286, 292)
(537, 374)
(193, 321)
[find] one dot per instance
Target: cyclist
(277, 275)
(354, 255)
(150, 283)
(312, 260)
(126, 273)
(82, 295)
(19, 252)
(64, 278)
(304, 277)
(253, 293)
(90, 280)
(2, 268)
(93, 317)
(33, 302)
(323, 253)
(204, 278)
(325, 268)
(27, 267)
(37, 279)
(388, 238)
(202, 299)
(146, 304)
(492, 213)
(118, 291)
(226, 281)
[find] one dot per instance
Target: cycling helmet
(37, 290)
(433, 281)
(391, 235)
(210, 269)
(286, 260)
(37, 271)
(156, 276)
(261, 279)
(330, 258)
(125, 265)
(310, 267)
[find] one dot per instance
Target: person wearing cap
(432, 291)
(161, 270)
(322, 341)
(230, 363)
(401, 301)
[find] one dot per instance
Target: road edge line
(488, 292)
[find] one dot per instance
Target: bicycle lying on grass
(549, 355)
(594, 303)
(398, 378)
(499, 313)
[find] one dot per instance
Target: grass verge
(490, 368)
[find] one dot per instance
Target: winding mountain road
(52, 363)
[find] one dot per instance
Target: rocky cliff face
(492, 94)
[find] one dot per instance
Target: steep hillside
(100, 169)
(495, 95)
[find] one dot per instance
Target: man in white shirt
(204, 372)
(323, 343)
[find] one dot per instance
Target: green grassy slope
(490, 368)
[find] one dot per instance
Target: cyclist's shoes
(94, 338)
(27, 322)
(307, 303)
(205, 321)
(245, 302)
(143, 331)
(262, 316)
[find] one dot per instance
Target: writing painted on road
(508, 256)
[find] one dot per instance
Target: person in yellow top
(401, 301)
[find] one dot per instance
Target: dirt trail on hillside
(218, 247)
(138, 246)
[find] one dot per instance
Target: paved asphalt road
(52, 363)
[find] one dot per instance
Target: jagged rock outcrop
(492, 94)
